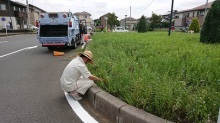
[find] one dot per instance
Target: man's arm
(95, 78)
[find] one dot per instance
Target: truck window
(53, 15)
(53, 30)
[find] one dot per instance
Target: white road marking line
(27, 48)
(3, 42)
(78, 109)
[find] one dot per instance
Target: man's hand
(95, 78)
(101, 80)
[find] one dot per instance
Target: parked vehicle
(89, 28)
(32, 27)
(7, 27)
(58, 30)
(120, 29)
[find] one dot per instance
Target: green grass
(174, 77)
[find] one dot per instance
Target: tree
(155, 21)
(142, 25)
(97, 22)
(210, 32)
(194, 25)
(112, 20)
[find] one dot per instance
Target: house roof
(198, 8)
(129, 18)
(82, 13)
(105, 15)
(36, 7)
(17, 3)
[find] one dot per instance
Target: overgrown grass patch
(174, 77)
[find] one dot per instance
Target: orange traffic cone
(56, 53)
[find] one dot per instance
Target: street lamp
(125, 21)
(106, 18)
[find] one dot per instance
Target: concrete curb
(119, 111)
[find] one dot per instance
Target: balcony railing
(19, 14)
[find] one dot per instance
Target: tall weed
(174, 77)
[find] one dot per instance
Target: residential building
(16, 13)
(12, 12)
(34, 13)
(130, 23)
(184, 18)
(86, 16)
(103, 20)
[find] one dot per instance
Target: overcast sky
(121, 8)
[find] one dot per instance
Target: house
(12, 12)
(16, 13)
(129, 22)
(184, 18)
(103, 20)
(35, 13)
(86, 16)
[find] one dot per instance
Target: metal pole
(171, 17)
(106, 25)
(28, 19)
(205, 11)
(106, 19)
(11, 25)
(125, 21)
(130, 19)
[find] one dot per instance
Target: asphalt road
(29, 82)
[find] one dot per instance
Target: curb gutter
(119, 111)
(11, 34)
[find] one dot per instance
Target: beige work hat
(88, 54)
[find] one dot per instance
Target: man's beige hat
(88, 54)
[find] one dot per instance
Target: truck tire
(73, 44)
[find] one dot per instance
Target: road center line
(78, 109)
(3, 42)
(27, 48)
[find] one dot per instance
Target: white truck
(58, 29)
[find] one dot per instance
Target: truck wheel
(73, 44)
(78, 39)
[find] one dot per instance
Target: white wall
(2, 24)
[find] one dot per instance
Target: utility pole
(106, 19)
(206, 7)
(125, 21)
(171, 17)
(11, 25)
(130, 19)
(28, 19)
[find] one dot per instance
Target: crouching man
(87, 39)
(76, 78)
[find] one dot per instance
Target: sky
(133, 8)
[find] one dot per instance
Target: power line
(146, 7)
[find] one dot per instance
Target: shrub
(210, 32)
(194, 25)
(142, 24)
